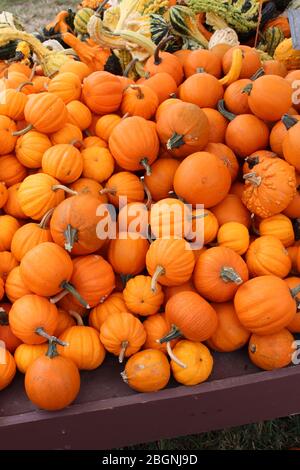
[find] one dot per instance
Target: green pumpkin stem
(23, 131)
(295, 291)
(253, 178)
(145, 163)
(161, 44)
(173, 334)
(175, 141)
(71, 289)
(159, 271)
(124, 346)
(52, 339)
(289, 121)
(228, 274)
(259, 73)
(71, 237)
(227, 114)
(140, 94)
(247, 89)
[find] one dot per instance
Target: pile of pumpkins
(202, 127)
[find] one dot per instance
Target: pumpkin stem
(295, 291)
(23, 131)
(148, 194)
(172, 95)
(3, 317)
(52, 339)
(75, 142)
(140, 94)
(108, 191)
(44, 222)
(129, 67)
(159, 271)
(253, 178)
(259, 73)
(173, 357)
(56, 187)
(175, 141)
(252, 161)
(227, 114)
(71, 237)
(77, 317)
(252, 348)
(123, 351)
(145, 163)
(71, 289)
(248, 89)
(125, 278)
(59, 296)
(21, 86)
(124, 376)
(200, 70)
(173, 334)
(198, 216)
(289, 121)
(228, 274)
(161, 44)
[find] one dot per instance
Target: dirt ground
(36, 13)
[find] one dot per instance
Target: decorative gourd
(213, 185)
(291, 146)
(52, 382)
(147, 371)
(204, 60)
(160, 182)
(31, 147)
(122, 334)
(235, 236)
(7, 369)
(225, 154)
(279, 226)
(271, 351)
(81, 20)
(79, 115)
(183, 128)
(184, 22)
(218, 273)
(230, 334)
(164, 62)
(31, 316)
(74, 224)
(15, 286)
(26, 354)
(30, 235)
(169, 261)
(98, 163)
(281, 22)
(250, 64)
(285, 53)
(267, 255)
(274, 67)
(11, 170)
(102, 92)
(231, 209)
(106, 124)
(294, 325)
(63, 162)
(124, 185)
(68, 134)
(139, 100)
(140, 148)
(197, 360)
(127, 253)
(139, 297)
(11, 342)
(269, 187)
(163, 84)
(113, 303)
(217, 125)
(265, 304)
(202, 89)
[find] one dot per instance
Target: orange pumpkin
(124, 185)
(202, 60)
(102, 92)
(271, 351)
(226, 155)
(279, 131)
(15, 287)
(197, 360)
(139, 297)
(11, 342)
(63, 162)
(293, 209)
(8, 227)
(164, 62)
(139, 100)
(11, 170)
(127, 253)
(7, 263)
(66, 85)
(267, 255)
(31, 147)
(235, 236)
(217, 125)
(45, 112)
(98, 163)
(79, 115)
(278, 226)
(26, 354)
(68, 134)
(291, 145)
(236, 101)
(251, 61)
(156, 326)
(65, 321)
(160, 182)
(7, 369)
(106, 124)
(294, 325)
(163, 84)
(113, 303)
(202, 89)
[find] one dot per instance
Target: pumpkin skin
(267, 255)
(163, 84)
(278, 133)
(52, 382)
(106, 124)
(7, 139)
(29, 313)
(160, 182)
(271, 351)
(274, 67)
(7, 370)
(210, 224)
(102, 92)
(140, 299)
(278, 226)
(235, 236)
(294, 252)
(165, 105)
(74, 66)
(230, 334)
(93, 278)
(133, 217)
(264, 305)
(236, 101)
(15, 286)
(147, 371)
(293, 209)
(8, 227)
(11, 342)
(139, 100)
(113, 303)
(98, 163)
(30, 235)
(46, 112)
(197, 358)
(191, 316)
(291, 146)
(217, 125)
(68, 303)
(218, 273)
(65, 321)
(270, 97)
(139, 149)
(68, 134)
(242, 126)
(7, 263)
(79, 114)
(170, 217)
(127, 253)
(120, 328)
(202, 59)
(89, 186)
(3, 194)
(157, 326)
(213, 185)
(294, 325)
(64, 162)
(31, 147)
(170, 261)
(12, 104)
(124, 184)
(66, 85)
(226, 155)
(257, 157)
(74, 224)
(202, 89)
(183, 129)
(165, 62)
(37, 194)
(26, 354)
(251, 61)
(45, 269)
(270, 188)
(11, 170)
(84, 347)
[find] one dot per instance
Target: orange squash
(271, 351)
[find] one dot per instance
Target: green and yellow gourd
(271, 38)
(81, 20)
(183, 22)
(8, 20)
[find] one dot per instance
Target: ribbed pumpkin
(98, 163)
(279, 226)
(63, 162)
(127, 253)
(15, 287)
(157, 326)
(7, 263)
(26, 354)
(79, 114)
(163, 84)
(235, 236)
(31, 147)
(68, 134)
(197, 360)
(113, 303)
(45, 112)
(8, 227)
(124, 184)
(102, 92)
(160, 182)
(65, 320)
(66, 85)
(271, 351)
(11, 342)
(236, 101)
(7, 369)
(267, 255)
(12, 103)
(139, 100)
(202, 89)
(89, 186)
(204, 60)
(218, 273)
(3, 194)
(291, 146)
(11, 170)
(106, 124)
(164, 62)
(170, 217)
(139, 297)
(7, 139)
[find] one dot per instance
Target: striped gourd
(81, 20)
(159, 28)
(184, 23)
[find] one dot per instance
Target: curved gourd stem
(101, 6)
(44, 222)
(71, 237)
(124, 346)
(159, 271)
(173, 357)
(77, 317)
(161, 44)
(253, 178)
(175, 141)
(227, 114)
(58, 297)
(145, 163)
(21, 86)
(23, 131)
(148, 194)
(108, 191)
(129, 67)
(289, 121)
(228, 274)
(173, 334)
(71, 289)
(52, 339)
(56, 187)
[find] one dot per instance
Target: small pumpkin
(15, 287)
(3, 194)
(65, 321)
(26, 354)
(274, 67)
(217, 125)
(205, 60)
(251, 61)
(163, 84)
(7, 263)
(280, 130)
(160, 182)
(236, 101)
(113, 303)
(201, 89)
(235, 236)
(293, 209)
(12, 103)
(68, 134)
(7, 369)
(89, 186)
(7, 138)
(63, 162)
(294, 325)
(156, 327)
(164, 62)
(11, 342)
(271, 351)
(102, 92)
(79, 114)
(267, 255)
(198, 362)
(11, 170)
(139, 297)
(66, 85)
(106, 124)
(139, 100)
(8, 227)
(291, 146)
(124, 185)
(279, 226)
(226, 155)
(170, 217)
(31, 147)
(127, 253)
(98, 163)
(210, 224)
